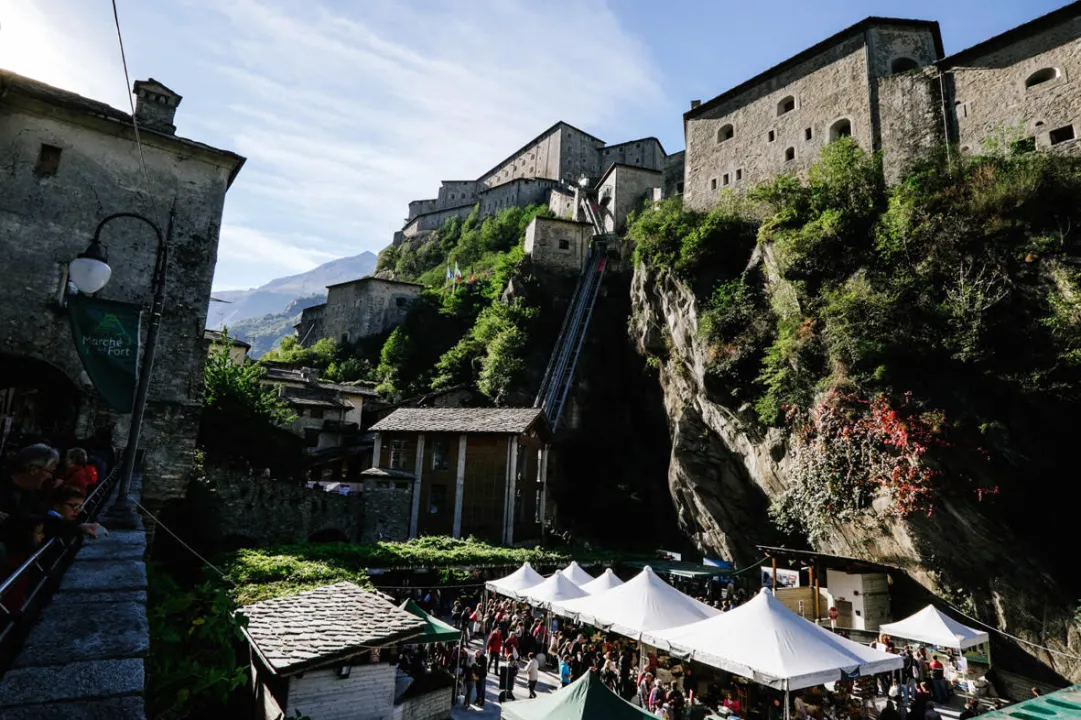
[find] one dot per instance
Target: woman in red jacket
(78, 473)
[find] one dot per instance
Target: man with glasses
(24, 504)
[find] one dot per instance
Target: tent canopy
(521, 579)
(576, 574)
(934, 628)
(435, 629)
(643, 603)
(768, 643)
(605, 581)
(557, 588)
(586, 698)
(1062, 704)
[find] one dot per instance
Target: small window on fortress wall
(786, 106)
(725, 133)
(1041, 76)
(724, 179)
(713, 183)
(841, 128)
(564, 244)
(903, 64)
(790, 154)
(1061, 135)
(771, 136)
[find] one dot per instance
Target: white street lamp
(90, 270)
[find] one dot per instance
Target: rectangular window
(397, 454)
(439, 455)
(771, 136)
(1062, 134)
(807, 134)
(564, 244)
(316, 413)
(400, 301)
(713, 183)
(724, 179)
(437, 499)
(739, 174)
(48, 160)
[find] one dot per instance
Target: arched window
(841, 128)
(786, 105)
(725, 133)
(903, 64)
(790, 154)
(1041, 76)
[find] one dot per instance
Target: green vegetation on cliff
(919, 339)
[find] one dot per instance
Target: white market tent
(643, 603)
(557, 588)
(768, 643)
(605, 581)
(521, 579)
(934, 628)
(576, 574)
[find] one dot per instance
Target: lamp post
(90, 272)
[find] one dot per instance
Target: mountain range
(263, 315)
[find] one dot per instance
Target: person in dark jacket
(480, 676)
(24, 503)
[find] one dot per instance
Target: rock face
(725, 470)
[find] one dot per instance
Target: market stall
(605, 581)
(768, 643)
(557, 588)
(584, 699)
(512, 585)
(642, 604)
(932, 627)
(576, 574)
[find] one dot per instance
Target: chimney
(695, 104)
(155, 106)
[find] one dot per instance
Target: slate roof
(324, 625)
(504, 421)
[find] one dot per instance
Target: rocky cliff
(726, 470)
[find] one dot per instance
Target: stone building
(238, 349)
(357, 309)
(474, 471)
(778, 121)
(538, 172)
(558, 245)
(68, 162)
(887, 83)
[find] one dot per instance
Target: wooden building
(475, 471)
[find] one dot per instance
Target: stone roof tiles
(504, 421)
(330, 623)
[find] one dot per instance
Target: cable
(1012, 637)
(131, 102)
(189, 548)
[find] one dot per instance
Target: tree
(235, 390)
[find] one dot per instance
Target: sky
(347, 110)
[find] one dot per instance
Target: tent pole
(774, 574)
(787, 712)
(817, 573)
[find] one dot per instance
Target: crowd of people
(42, 495)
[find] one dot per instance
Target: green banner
(106, 336)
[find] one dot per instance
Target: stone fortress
(886, 82)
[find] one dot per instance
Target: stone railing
(84, 657)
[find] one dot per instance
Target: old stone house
(331, 653)
(474, 471)
(69, 162)
(357, 309)
(887, 83)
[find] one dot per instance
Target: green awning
(587, 698)
(1060, 705)
(436, 630)
(680, 569)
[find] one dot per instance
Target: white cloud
(348, 112)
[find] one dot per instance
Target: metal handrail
(41, 572)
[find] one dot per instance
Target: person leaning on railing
(24, 504)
